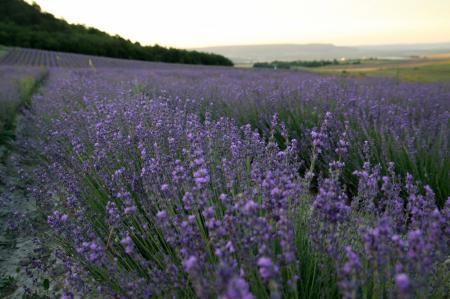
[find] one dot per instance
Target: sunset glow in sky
(196, 23)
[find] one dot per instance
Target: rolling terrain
(290, 52)
(26, 25)
(45, 58)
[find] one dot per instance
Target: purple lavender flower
(402, 283)
(113, 213)
(237, 289)
(128, 243)
(267, 269)
(161, 215)
(190, 264)
(67, 295)
(57, 220)
(165, 187)
(348, 283)
(201, 177)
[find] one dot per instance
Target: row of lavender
(16, 87)
(155, 194)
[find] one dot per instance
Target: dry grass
(432, 69)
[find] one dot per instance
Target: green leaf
(46, 284)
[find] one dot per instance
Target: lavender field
(43, 58)
(171, 181)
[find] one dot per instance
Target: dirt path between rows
(19, 221)
(25, 261)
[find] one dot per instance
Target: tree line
(302, 63)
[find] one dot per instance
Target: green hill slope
(25, 25)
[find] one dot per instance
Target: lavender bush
(158, 188)
(404, 122)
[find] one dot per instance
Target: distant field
(441, 55)
(32, 57)
(44, 58)
(432, 69)
(427, 73)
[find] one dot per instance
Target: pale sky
(196, 23)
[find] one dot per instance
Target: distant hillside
(25, 25)
(291, 52)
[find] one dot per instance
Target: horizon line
(324, 43)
